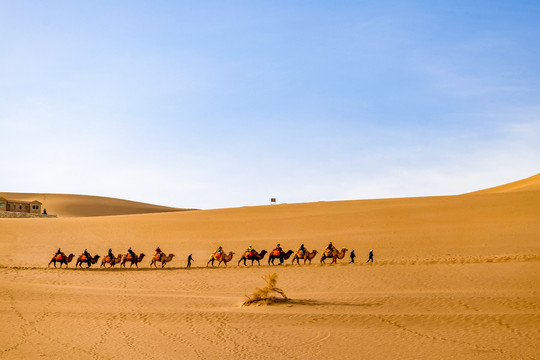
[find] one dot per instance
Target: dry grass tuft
(266, 296)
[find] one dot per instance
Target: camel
(132, 259)
(164, 259)
(279, 255)
(255, 256)
(62, 259)
(220, 259)
(111, 260)
(89, 260)
(306, 255)
(334, 255)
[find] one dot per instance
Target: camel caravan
(275, 257)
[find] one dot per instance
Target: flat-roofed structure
(31, 207)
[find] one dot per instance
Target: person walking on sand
(189, 260)
(353, 255)
(370, 258)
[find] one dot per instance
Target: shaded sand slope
(83, 205)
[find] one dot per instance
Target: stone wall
(13, 214)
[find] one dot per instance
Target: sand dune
(529, 184)
(83, 205)
(454, 277)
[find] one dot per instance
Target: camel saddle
(300, 253)
(328, 252)
(276, 253)
(218, 254)
(107, 258)
(129, 257)
(83, 257)
(250, 254)
(58, 257)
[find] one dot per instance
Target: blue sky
(223, 104)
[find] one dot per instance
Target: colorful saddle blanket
(107, 258)
(218, 254)
(276, 253)
(58, 257)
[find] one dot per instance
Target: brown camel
(132, 259)
(62, 259)
(111, 260)
(223, 258)
(306, 255)
(334, 255)
(276, 254)
(252, 256)
(163, 258)
(89, 260)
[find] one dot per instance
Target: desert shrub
(266, 295)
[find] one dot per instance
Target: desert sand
(454, 277)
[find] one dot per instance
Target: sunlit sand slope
(455, 277)
(529, 184)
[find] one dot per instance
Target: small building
(32, 207)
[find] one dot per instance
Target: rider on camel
(59, 252)
(85, 253)
(302, 249)
(278, 250)
(250, 249)
(159, 253)
(219, 251)
(330, 247)
(110, 254)
(131, 253)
